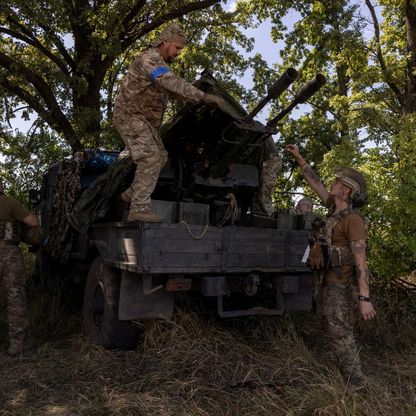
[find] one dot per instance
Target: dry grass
(197, 365)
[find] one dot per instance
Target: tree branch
(133, 13)
(138, 33)
(380, 56)
(54, 116)
(14, 20)
(36, 44)
(40, 109)
(410, 92)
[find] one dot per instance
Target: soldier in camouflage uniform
(304, 205)
(12, 273)
(138, 115)
(346, 278)
(270, 168)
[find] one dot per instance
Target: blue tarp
(101, 160)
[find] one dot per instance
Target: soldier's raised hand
(214, 100)
(293, 149)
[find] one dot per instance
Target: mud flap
(139, 300)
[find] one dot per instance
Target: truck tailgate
(181, 248)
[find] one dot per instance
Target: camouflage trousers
(12, 276)
(268, 175)
(338, 312)
(148, 153)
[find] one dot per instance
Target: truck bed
(181, 248)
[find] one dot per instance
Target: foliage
(62, 61)
(392, 208)
(364, 116)
(24, 164)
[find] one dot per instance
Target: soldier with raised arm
(12, 272)
(346, 278)
(138, 115)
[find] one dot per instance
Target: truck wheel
(101, 298)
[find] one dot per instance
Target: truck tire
(101, 299)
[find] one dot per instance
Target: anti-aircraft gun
(221, 152)
(213, 241)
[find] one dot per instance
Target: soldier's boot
(127, 195)
(18, 346)
(353, 375)
(144, 214)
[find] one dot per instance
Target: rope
(231, 213)
(197, 237)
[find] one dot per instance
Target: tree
(63, 58)
(61, 61)
(365, 116)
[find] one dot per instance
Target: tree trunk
(410, 89)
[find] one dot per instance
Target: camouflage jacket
(147, 85)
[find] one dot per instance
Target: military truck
(215, 242)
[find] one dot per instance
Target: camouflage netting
(94, 203)
(67, 190)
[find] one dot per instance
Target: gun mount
(215, 150)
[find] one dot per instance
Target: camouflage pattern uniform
(138, 115)
(338, 299)
(338, 316)
(12, 272)
(270, 169)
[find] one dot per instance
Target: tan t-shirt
(348, 229)
(11, 209)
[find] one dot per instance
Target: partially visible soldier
(138, 115)
(270, 169)
(346, 278)
(304, 205)
(12, 272)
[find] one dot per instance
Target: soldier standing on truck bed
(138, 115)
(12, 272)
(346, 278)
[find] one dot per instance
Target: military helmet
(356, 182)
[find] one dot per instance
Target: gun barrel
(283, 82)
(280, 85)
(310, 88)
(305, 92)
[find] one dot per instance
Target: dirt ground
(197, 365)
